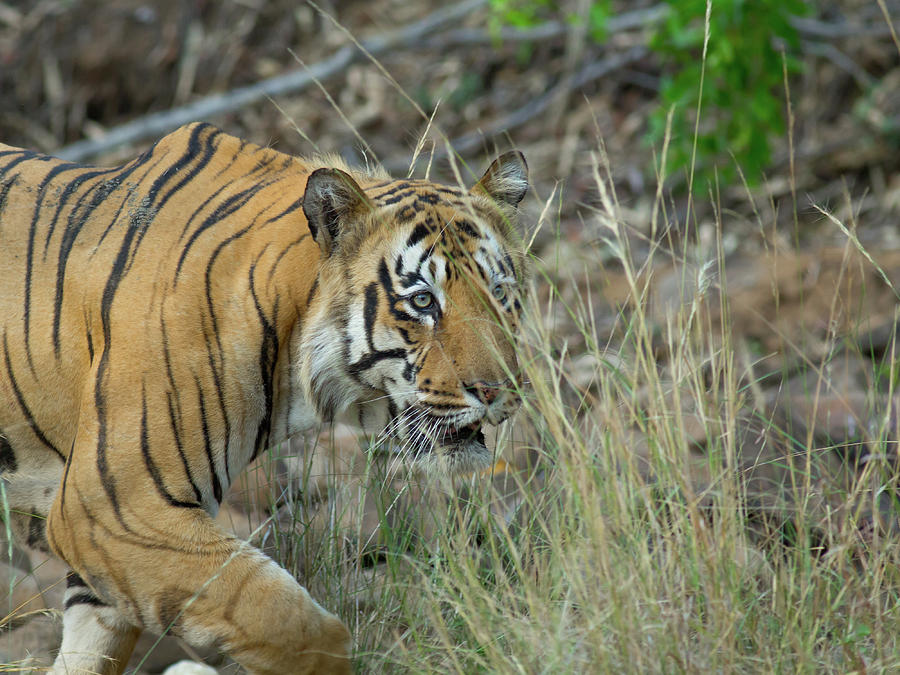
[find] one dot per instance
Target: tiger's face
(413, 317)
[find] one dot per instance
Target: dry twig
(589, 73)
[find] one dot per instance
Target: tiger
(165, 321)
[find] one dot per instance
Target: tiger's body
(163, 322)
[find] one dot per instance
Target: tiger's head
(412, 318)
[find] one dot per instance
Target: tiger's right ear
(331, 203)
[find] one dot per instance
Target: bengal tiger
(165, 321)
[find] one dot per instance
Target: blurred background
(553, 78)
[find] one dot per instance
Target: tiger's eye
(499, 292)
(423, 300)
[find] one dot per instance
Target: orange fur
(160, 325)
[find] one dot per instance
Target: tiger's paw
(190, 668)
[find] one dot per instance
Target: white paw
(190, 668)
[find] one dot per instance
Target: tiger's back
(163, 322)
(105, 277)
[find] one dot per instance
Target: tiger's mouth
(456, 436)
(459, 447)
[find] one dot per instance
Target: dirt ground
(793, 286)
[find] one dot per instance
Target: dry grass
(654, 517)
(666, 519)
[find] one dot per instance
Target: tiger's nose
(487, 392)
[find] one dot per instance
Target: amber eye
(423, 300)
(499, 292)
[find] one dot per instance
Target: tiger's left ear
(506, 179)
(334, 206)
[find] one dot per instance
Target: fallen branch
(592, 71)
(157, 124)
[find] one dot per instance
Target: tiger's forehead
(443, 245)
(436, 229)
(431, 210)
(429, 203)
(415, 193)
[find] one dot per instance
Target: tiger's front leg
(158, 561)
(97, 638)
(184, 576)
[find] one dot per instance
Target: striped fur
(163, 322)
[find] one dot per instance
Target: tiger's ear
(506, 179)
(333, 203)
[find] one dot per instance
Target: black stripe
(223, 210)
(86, 598)
(386, 282)
(406, 213)
(396, 198)
(151, 464)
(509, 262)
(76, 220)
(312, 291)
(369, 360)
(180, 448)
(5, 187)
(447, 190)
(419, 232)
(133, 166)
(216, 370)
(290, 209)
(268, 354)
(29, 259)
(21, 400)
(7, 456)
(284, 252)
(396, 186)
(467, 228)
(63, 199)
(175, 409)
(445, 406)
(427, 197)
(74, 580)
(421, 262)
(409, 371)
(23, 156)
(207, 444)
(109, 291)
(192, 152)
(62, 489)
(211, 198)
(370, 312)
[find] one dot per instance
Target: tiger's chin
(454, 451)
(427, 443)
(464, 449)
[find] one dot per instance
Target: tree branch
(592, 71)
(157, 124)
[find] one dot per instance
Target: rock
(189, 668)
(153, 654)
